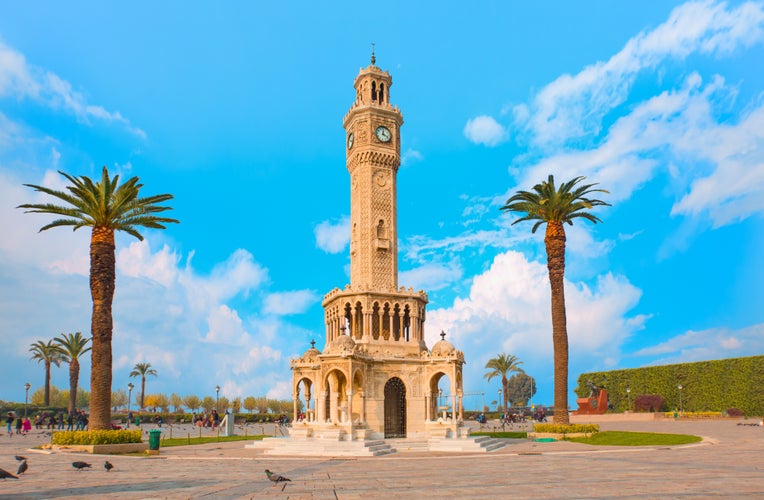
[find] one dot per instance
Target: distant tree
(555, 207)
(501, 365)
(208, 403)
(118, 399)
(163, 402)
(55, 396)
(192, 402)
(250, 403)
(223, 404)
(143, 370)
(152, 401)
(176, 401)
(521, 387)
(262, 404)
(71, 346)
(83, 398)
(106, 207)
(236, 404)
(48, 354)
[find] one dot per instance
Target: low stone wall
(102, 449)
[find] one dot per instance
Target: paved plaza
(728, 463)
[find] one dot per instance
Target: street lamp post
(680, 398)
(501, 403)
(217, 398)
(628, 399)
(27, 386)
(130, 388)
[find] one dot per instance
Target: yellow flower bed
(566, 429)
(66, 438)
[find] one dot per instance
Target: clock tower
(375, 377)
(373, 151)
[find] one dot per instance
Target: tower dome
(443, 347)
(343, 343)
(311, 354)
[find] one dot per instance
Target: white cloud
(411, 156)
(574, 106)
(225, 327)
(294, 302)
(484, 130)
(507, 310)
(431, 276)
(22, 80)
(713, 343)
(333, 237)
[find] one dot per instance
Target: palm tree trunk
(47, 383)
(504, 387)
(102, 282)
(74, 375)
(143, 388)
(555, 254)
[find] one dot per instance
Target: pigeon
(4, 474)
(108, 466)
(20, 458)
(80, 465)
(276, 478)
(22, 468)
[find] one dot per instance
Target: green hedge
(706, 385)
(64, 438)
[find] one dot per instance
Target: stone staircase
(323, 447)
(477, 444)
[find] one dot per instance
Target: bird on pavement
(80, 465)
(4, 474)
(108, 466)
(22, 467)
(276, 478)
(20, 458)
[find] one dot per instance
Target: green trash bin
(154, 437)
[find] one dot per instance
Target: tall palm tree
(71, 346)
(502, 365)
(106, 207)
(48, 354)
(142, 370)
(553, 206)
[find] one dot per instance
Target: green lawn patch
(186, 441)
(620, 438)
(503, 435)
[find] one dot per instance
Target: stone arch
(303, 398)
(375, 321)
(336, 384)
(441, 389)
(358, 413)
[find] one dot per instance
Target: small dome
(341, 343)
(443, 347)
(312, 353)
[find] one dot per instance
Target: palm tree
(71, 346)
(554, 207)
(142, 370)
(502, 365)
(106, 207)
(48, 354)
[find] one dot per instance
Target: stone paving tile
(728, 464)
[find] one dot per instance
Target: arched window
(373, 91)
(381, 229)
(381, 93)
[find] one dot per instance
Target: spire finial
(442, 335)
(373, 57)
(313, 344)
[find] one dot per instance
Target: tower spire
(373, 57)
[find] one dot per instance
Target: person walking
(26, 426)
(19, 425)
(9, 420)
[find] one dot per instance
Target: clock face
(351, 137)
(383, 134)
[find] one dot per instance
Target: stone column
(295, 396)
(461, 407)
(349, 394)
(321, 408)
(427, 406)
(363, 406)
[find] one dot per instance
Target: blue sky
(237, 111)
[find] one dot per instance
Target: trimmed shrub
(734, 412)
(66, 438)
(649, 403)
(566, 429)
